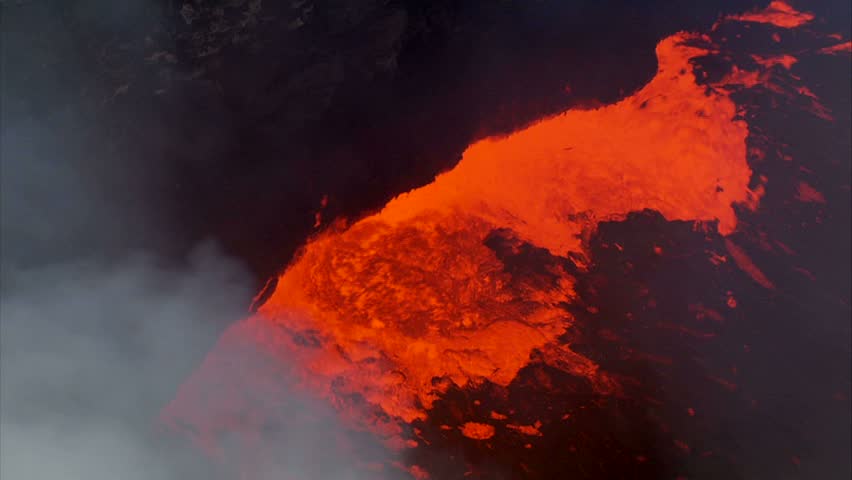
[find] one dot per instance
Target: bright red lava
(394, 308)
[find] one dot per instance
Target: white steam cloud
(98, 328)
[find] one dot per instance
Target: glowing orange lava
(778, 13)
(845, 47)
(786, 61)
(477, 431)
(412, 293)
(401, 304)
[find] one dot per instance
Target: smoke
(101, 319)
(98, 327)
(90, 351)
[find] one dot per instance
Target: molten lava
(381, 316)
(777, 13)
(413, 294)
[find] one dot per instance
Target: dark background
(158, 126)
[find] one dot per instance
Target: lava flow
(380, 317)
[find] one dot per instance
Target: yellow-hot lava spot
(477, 431)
